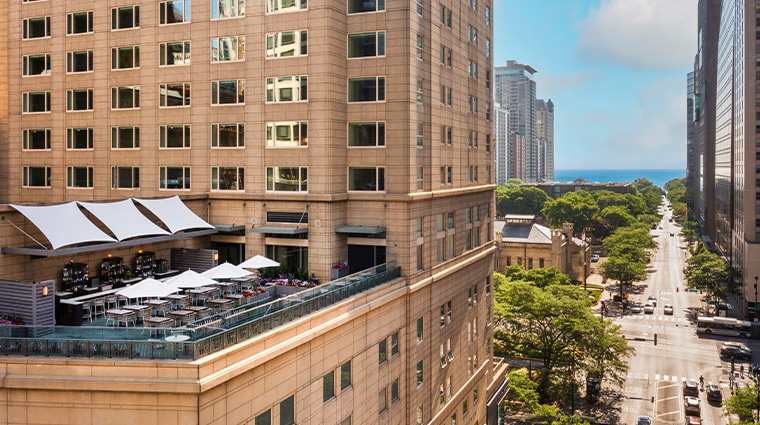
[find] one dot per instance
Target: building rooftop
(524, 232)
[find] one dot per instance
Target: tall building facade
(690, 126)
(502, 147)
(545, 138)
(515, 91)
(272, 114)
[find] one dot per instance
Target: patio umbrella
(148, 288)
(226, 271)
(258, 262)
(189, 280)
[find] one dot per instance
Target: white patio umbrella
(148, 288)
(258, 262)
(189, 279)
(226, 271)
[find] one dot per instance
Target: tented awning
(123, 219)
(63, 225)
(174, 214)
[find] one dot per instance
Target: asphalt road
(653, 385)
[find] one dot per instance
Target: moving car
(691, 405)
(691, 388)
(594, 258)
(693, 420)
(731, 351)
(672, 234)
(649, 309)
(644, 420)
(652, 300)
(636, 308)
(714, 394)
(668, 309)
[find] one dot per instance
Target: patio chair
(161, 308)
(111, 318)
(87, 310)
(112, 300)
(122, 301)
(144, 316)
(98, 307)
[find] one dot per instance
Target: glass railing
(188, 342)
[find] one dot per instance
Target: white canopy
(189, 279)
(148, 288)
(123, 219)
(226, 271)
(258, 262)
(174, 214)
(63, 224)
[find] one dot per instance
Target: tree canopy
(617, 216)
(743, 404)
(520, 200)
(576, 207)
(707, 272)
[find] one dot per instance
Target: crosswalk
(658, 377)
(657, 318)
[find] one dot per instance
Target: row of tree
(678, 194)
(628, 252)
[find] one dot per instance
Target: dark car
(644, 420)
(691, 388)
(714, 394)
(691, 406)
(735, 352)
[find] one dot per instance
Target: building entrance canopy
(123, 219)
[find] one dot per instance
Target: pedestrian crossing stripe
(658, 377)
(667, 319)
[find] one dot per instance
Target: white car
(636, 308)
(668, 309)
(649, 309)
(652, 300)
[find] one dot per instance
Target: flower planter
(338, 273)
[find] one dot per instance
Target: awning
(123, 219)
(148, 288)
(229, 228)
(226, 271)
(189, 279)
(280, 230)
(360, 230)
(64, 224)
(258, 262)
(174, 214)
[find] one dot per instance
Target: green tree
(652, 196)
(520, 200)
(624, 269)
(635, 252)
(513, 183)
(743, 404)
(648, 219)
(642, 183)
(617, 216)
(601, 228)
(578, 208)
(636, 235)
(680, 210)
(709, 273)
(539, 277)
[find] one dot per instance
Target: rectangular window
(287, 179)
(174, 136)
(79, 23)
(394, 344)
(366, 134)
(382, 401)
(36, 177)
(419, 90)
(125, 137)
(35, 65)
(488, 47)
(366, 44)
(174, 53)
(362, 6)
(174, 95)
(488, 16)
(419, 7)
(419, 47)
(228, 92)
(227, 178)
(125, 57)
(264, 418)
(464, 408)
(228, 49)
(287, 44)
(291, 134)
(366, 178)
(475, 395)
(420, 264)
(420, 179)
(79, 177)
(287, 89)
(79, 100)
(36, 139)
(346, 421)
(328, 386)
(123, 18)
(125, 177)
(448, 311)
(382, 349)
(394, 391)
(449, 351)
(420, 324)
(125, 97)
(345, 375)
(174, 178)
(173, 12)
(419, 419)
(79, 138)
(420, 134)
(228, 135)
(288, 411)
(443, 315)
(35, 28)
(368, 89)
(443, 175)
(277, 6)
(222, 9)
(419, 373)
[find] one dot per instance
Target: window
(174, 178)
(419, 47)
(464, 408)
(382, 401)
(35, 28)
(125, 57)
(264, 418)
(227, 178)
(228, 135)
(287, 179)
(221, 9)
(420, 264)
(174, 136)
(345, 375)
(488, 16)
(174, 53)
(488, 47)
(420, 134)
(488, 285)
(366, 178)
(368, 89)
(420, 179)
(448, 175)
(366, 134)
(474, 395)
(79, 177)
(276, 6)
(125, 97)
(419, 90)
(36, 139)
(445, 16)
(446, 95)
(419, 420)
(124, 17)
(366, 44)
(36, 177)
(125, 177)
(394, 344)
(361, 6)
(328, 386)
(79, 23)
(382, 347)
(35, 65)
(443, 175)
(173, 12)
(79, 138)
(288, 411)
(488, 115)
(287, 89)
(441, 394)
(79, 100)
(419, 7)
(173, 95)
(394, 391)
(419, 373)
(228, 49)
(346, 421)
(125, 137)
(227, 92)
(448, 386)
(287, 44)
(291, 134)
(420, 324)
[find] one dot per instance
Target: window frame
(135, 171)
(163, 170)
(300, 44)
(239, 43)
(378, 135)
(26, 65)
(215, 135)
(163, 95)
(239, 181)
(240, 90)
(162, 13)
(26, 102)
(89, 93)
(26, 139)
(328, 392)
(116, 131)
(116, 60)
(70, 56)
(26, 180)
(378, 8)
(115, 20)
(302, 6)
(25, 27)
(377, 44)
(377, 179)
(163, 53)
(216, 7)
(70, 177)
(70, 145)
(378, 90)
(163, 136)
(116, 90)
(301, 142)
(70, 23)
(303, 83)
(303, 185)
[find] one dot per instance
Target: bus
(724, 326)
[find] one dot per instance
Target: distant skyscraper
(519, 147)
(516, 92)
(690, 160)
(502, 146)
(545, 138)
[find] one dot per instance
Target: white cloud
(550, 85)
(642, 34)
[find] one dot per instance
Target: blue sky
(615, 70)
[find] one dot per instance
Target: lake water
(658, 177)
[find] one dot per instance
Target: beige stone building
(520, 241)
(309, 131)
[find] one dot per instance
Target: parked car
(594, 258)
(732, 351)
(691, 388)
(738, 345)
(672, 234)
(668, 309)
(644, 420)
(693, 420)
(649, 309)
(714, 394)
(652, 300)
(636, 308)
(691, 405)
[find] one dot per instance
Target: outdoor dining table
(141, 311)
(200, 311)
(178, 300)
(160, 323)
(118, 316)
(160, 306)
(221, 304)
(227, 287)
(236, 298)
(203, 293)
(182, 317)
